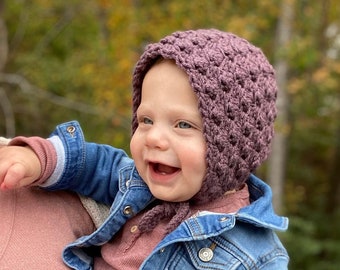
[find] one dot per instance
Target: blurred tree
(277, 161)
(5, 104)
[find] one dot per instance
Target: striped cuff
(44, 150)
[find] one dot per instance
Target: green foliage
(307, 248)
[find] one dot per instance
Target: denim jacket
(208, 240)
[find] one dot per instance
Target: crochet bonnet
(236, 90)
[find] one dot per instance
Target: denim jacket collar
(260, 212)
(207, 224)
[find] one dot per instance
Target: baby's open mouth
(162, 168)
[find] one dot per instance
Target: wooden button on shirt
(134, 228)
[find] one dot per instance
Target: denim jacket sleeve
(89, 169)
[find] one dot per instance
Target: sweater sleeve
(44, 150)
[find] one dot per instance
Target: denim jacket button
(71, 130)
(205, 254)
(222, 219)
(127, 210)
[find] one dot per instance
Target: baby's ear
(4, 141)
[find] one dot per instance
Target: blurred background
(73, 59)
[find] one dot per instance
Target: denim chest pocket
(207, 254)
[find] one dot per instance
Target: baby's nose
(157, 137)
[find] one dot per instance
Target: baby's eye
(183, 124)
(146, 121)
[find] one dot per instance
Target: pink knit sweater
(36, 225)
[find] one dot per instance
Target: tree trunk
(277, 160)
(5, 105)
(3, 38)
(333, 198)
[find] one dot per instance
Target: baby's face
(168, 146)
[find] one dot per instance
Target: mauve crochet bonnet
(236, 90)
